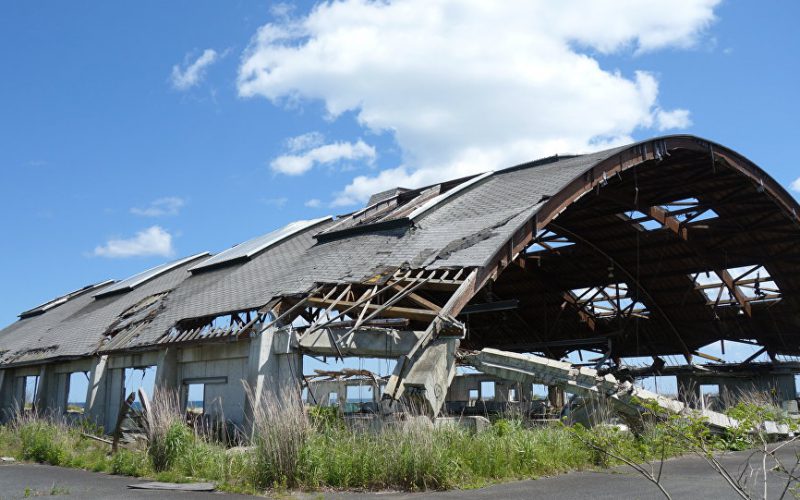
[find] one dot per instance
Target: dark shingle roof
(465, 231)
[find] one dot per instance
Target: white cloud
(278, 203)
(471, 86)
(192, 74)
(677, 118)
(170, 205)
(313, 203)
(153, 241)
(302, 160)
(305, 142)
(795, 186)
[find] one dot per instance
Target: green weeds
(292, 449)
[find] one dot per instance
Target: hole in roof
(548, 241)
(752, 283)
(643, 221)
(609, 301)
(689, 210)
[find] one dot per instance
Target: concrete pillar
(274, 369)
(526, 392)
(43, 400)
(97, 392)
(6, 394)
(167, 371)
(555, 395)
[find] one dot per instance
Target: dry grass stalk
(280, 429)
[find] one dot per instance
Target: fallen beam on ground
(583, 381)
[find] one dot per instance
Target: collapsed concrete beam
(582, 381)
(366, 342)
(426, 383)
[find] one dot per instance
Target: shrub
(42, 440)
(129, 463)
(167, 449)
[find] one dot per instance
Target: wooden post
(123, 412)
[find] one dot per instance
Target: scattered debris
(155, 485)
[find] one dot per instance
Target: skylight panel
(245, 251)
(129, 284)
(447, 195)
(42, 308)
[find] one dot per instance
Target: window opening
(31, 388)
(196, 398)
(512, 395)
(487, 390)
(139, 378)
(77, 388)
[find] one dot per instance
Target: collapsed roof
(659, 247)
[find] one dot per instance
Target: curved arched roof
(492, 225)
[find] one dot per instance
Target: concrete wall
(781, 386)
(223, 370)
(463, 384)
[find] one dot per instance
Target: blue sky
(134, 135)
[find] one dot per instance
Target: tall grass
(292, 447)
(168, 436)
(280, 432)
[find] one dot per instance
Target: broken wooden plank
(391, 312)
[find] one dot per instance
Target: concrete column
(274, 369)
(6, 394)
(555, 395)
(97, 392)
(167, 370)
(43, 400)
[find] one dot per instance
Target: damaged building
(653, 250)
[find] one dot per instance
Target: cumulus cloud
(307, 152)
(170, 205)
(191, 74)
(313, 203)
(153, 241)
(795, 186)
(466, 87)
(677, 118)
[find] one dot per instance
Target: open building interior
(649, 251)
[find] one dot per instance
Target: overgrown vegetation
(295, 448)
